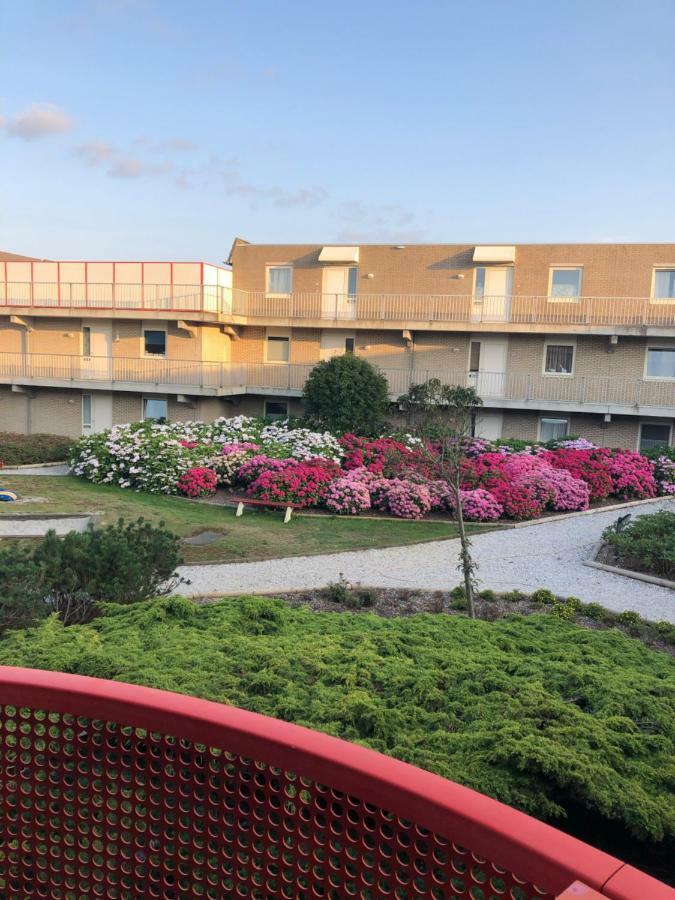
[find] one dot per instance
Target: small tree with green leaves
(21, 593)
(347, 393)
(442, 415)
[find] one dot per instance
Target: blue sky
(162, 128)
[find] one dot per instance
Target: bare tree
(442, 416)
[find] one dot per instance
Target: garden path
(60, 469)
(550, 554)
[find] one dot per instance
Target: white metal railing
(400, 308)
(460, 308)
(147, 372)
(116, 296)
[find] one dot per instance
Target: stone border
(627, 573)
(47, 465)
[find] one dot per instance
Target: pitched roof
(15, 257)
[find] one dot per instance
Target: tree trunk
(466, 563)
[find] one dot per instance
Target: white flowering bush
(149, 456)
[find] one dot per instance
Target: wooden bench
(265, 504)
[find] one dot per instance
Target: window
(559, 359)
(278, 349)
(86, 340)
(552, 429)
(155, 408)
(279, 279)
(660, 362)
(654, 435)
(154, 342)
(480, 281)
(565, 283)
(474, 356)
(86, 411)
(664, 284)
(276, 409)
(352, 279)
(349, 345)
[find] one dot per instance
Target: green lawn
(258, 534)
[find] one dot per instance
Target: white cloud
(39, 121)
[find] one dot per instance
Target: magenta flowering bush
(632, 474)
(239, 447)
(480, 506)
(299, 483)
(254, 466)
(198, 482)
(347, 496)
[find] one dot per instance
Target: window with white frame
(352, 280)
(553, 429)
(86, 412)
(664, 284)
(155, 409)
(654, 434)
(565, 282)
(660, 362)
(154, 341)
(279, 280)
(277, 348)
(276, 409)
(559, 359)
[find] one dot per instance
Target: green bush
(647, 544)
(542, 714)
(337, 592)
(366, 598)
(567, 609)
(593, 611)
(347, 394)
(118, 564)
(514, 596)
(24, 449)
(544, 596)
(458, 592)
(629, 617)
(488, 595)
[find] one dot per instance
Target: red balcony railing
(115, 791)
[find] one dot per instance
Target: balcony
(597, 394)
(110, 790)
(455, 312)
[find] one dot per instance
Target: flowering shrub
(664, 474)
(632, 474)
(407, 500)
(585, 464)
(198, 482)
(480, 506)
(347, 496)
(254, 466)
(227, 463)
(299, 483)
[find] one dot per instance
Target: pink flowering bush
(664, 475)
(347, 496)
(407, 500)
(299, 483)
(239, 447)
(198, 482)
(632, 474)
(480, 506)
(254, 466)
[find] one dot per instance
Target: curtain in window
(664, 283)
(559, 359)
(661, 363)
(553, 429)
(565, 282)
(279, 280)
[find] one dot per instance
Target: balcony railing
(188, 298)
(110, 790)
(610, 391)
(397, 308)
(457, 308)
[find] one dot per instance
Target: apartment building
(557, 338)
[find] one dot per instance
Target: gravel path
(548, 555)
(35, 470)
(10, 527)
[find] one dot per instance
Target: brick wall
(57, 336)
(622, 270)
(13, 411)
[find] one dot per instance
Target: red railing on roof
(115, 791)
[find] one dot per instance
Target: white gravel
(11, 527)
(35, 470)
(549, 555)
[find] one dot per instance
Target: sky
(162, 129)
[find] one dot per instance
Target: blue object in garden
(7, 496)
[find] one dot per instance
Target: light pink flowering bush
(480, 506)
(347, 496)
(407, 500)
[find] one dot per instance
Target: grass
(256, 535)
